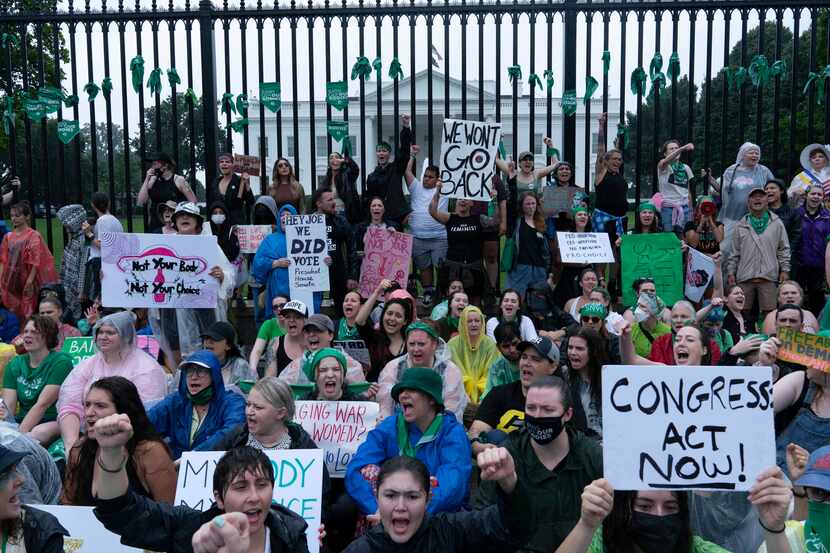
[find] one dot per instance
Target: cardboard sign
(251, 236)
(298, 483)
(468, 158)
(356, 349)
(79, 348)
(158, 270)
(585, 247)
(86, 533)
(307, 249)
(810, 350)
(246, 164)
(387, 254)
(652, 255)
(704, 428)
(700, 270)
(337, 427)
(558, 199)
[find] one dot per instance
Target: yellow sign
(810, 350)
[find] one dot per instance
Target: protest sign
(700, 270)
(810, 350)
(652, 255)
(307, 249)
(86, 533)
(558, 199)
(585, 247)
(387, 254)
(251, 236)
(158, 270)
(78, 348)
(148, 344)
(706, 428)
(246, 164)
(337, 427)
(468, 157)
(356, 349)
(298, 483)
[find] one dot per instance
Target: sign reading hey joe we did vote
(307, 243)
(708, 428)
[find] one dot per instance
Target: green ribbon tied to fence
(67, 130)
(815, 81)
(533, 80)
(591, 85)
(548, 75)
(106, 88)
(137, 72)
(154, 82)
(568, 102)
(514, 72)
(735, 77)
(240, 124)
(606, 62)
(759, 70)
(658, 83)
(34, 108)
(227, 103)
(269, 95)
(395, 71)
(673, 70)
(638, 81)
(8, 116)
(51, 97)
(622, 134)
(173, 77)
(190, 97)
(92, 91)
(10, 37)
(655, 72)
(242, 105)
(70, 100)
(361, 69)
(378, 65)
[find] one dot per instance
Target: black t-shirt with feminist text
(503, 408)
(464, 238)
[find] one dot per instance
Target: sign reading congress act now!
(707, 428)
(468, 157)
(298, 483)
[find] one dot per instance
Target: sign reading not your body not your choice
(707, 428)
(468, 157)
(298, 483)
(307, 249)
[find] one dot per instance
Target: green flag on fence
(67, 130)
(269, 95)
(337, 95)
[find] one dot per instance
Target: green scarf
(202, 397)
(405, 446)
(346, 332)
(452, 321)
(817, 527)
(759, 224)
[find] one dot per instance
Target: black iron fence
(512, 62)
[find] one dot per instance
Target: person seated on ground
(547, 317)
(710, 318)
(790, 292)
(553, 460)
(243, 484)
(346, 327)
(117, 355)
(505, 369)
(654, 521)
(682, 314)
(422, 429)
(53, 308)
(41, 478)
(24, 528)
(510, 310)
(440, 310)
(473, 352)
(423, 349)
(593, 316)
(150, 469)
(9, 325)
(645, 286)
(448, 325)
(33, 380)
(290, 346)
(811, 481)
(268, 332)
(648, 326)
(734, 322)
(612, 318)
(198, 415)
(387, 340)
(503, 410)
(585, 356)
(588, 280)
(328, 366)
(220, 338)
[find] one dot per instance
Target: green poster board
(652, 255)
(78, 348)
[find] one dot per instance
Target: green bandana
(337, 95)
(242, 105)
(240, 124)
(638, 81)
(514, 72)
(568, 102)
(190, 97)
(51, 97)
(817, 527)
(361, 68)
(137, 72)
(269, 95)
(67, 130)
(418, 325)
(577, 209)
(759, 224)
(202, 397)
(593, 310)
(106, 88)
(346, 332)
(173, 77)
(383, 146)
(606, 62)
(405, 446)
(35, 110)
(548, 75)
(154, 82)
(648, 206)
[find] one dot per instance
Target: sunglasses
(277, 307)
(591, 319)
(282, 165)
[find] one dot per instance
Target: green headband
(382, 145)
(579, 208)
(327, 352)
(648, 206)
(593, 310)
(418, 325)
(705, 198)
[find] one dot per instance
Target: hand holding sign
(597, 502)
(771, 496)
(226, 533)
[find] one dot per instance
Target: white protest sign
(307, 244)
(468, 157)
(158, 270)
(683, 428)
(86, 533)
(700, 270)
(251, 236)
(298, 483)
(585, 247)
(338, 427)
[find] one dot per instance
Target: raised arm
(548, 169)
(441, 216)
(112, 434)
(597, 502)
(675, 155)
(627, 352)
(366, 309)
(184, 188)
(602, 133)
(408, 174)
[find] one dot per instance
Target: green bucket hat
(422, 380)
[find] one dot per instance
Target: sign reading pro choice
(684, 428)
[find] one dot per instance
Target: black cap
(221, 330)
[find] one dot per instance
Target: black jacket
(386, 181)
(42, 532)
(158, 526)
(346, 184)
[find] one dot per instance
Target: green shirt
(556, 495)
(269, 330)
(699, 545)
(501, 372)
(642, 345)
(29, 382)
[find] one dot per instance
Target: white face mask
(218, 218)
(640, 314)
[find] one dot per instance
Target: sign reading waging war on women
(705, 428)
(468, 157)
(158, 270)
(298, 483)
(387, 255)
(307, 244)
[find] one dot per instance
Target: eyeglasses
(818, 495)
(591, 319)
(197, 371)
(277, 307)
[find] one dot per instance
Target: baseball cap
(9, 458)
(319, 321)
(526, 154)
(296, 306)
(817, 474)
(201, 358)
(188, 208)
(221, 330)
(169, 204)
(544, 346)
(757, 190)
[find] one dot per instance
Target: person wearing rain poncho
(473, 352)
(75, 253)
(648, 326)
(116, 355)
(270, 266)
(815, 162)
(179, 330)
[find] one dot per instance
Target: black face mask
(655, 534)
(543, 430)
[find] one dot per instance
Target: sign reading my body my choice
(158, 270)
(307, 243)
(708, 428)
(468, 157)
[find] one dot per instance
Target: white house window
(290, 146)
